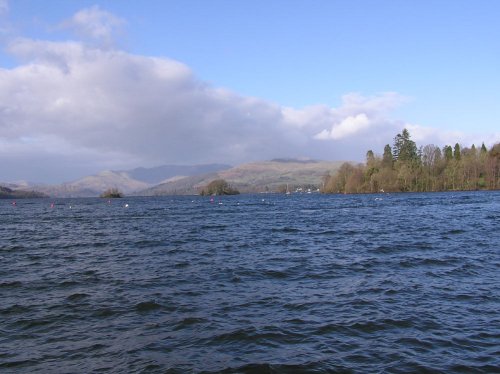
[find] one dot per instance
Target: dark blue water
(397, 283)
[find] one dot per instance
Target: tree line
(406, 168)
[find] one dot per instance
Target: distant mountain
(179, 186)
(127, 181)
(160, 174)
(94, 185)
(267, 176)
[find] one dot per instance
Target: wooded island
(406, 168)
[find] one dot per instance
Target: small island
(219, 187)
(112, 193)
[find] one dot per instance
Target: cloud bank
(72, 108)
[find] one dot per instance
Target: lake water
(398, 283)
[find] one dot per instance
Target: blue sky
(323, 79)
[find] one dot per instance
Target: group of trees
(112, 193)
(406, 168)
(219, 187)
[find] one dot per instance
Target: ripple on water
(289, 284)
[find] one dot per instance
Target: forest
(404, 167)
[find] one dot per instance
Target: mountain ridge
(263, 176)
(159, 174)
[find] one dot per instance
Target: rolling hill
(163, 173)
(267, 176)
(127, 181)
(94, 185)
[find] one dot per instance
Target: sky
(87, 86)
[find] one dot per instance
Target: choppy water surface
(253, 284)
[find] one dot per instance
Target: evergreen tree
(483, 149)
(397, 146)
(387, 159)
(448, 152)
(456, 152)
(404, 148)
(370, 157)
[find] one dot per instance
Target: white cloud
(102, 103)
(428, 135)
(148, 110)
(349, 126)
(71, 107)
(95, 24)
(113, 101)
